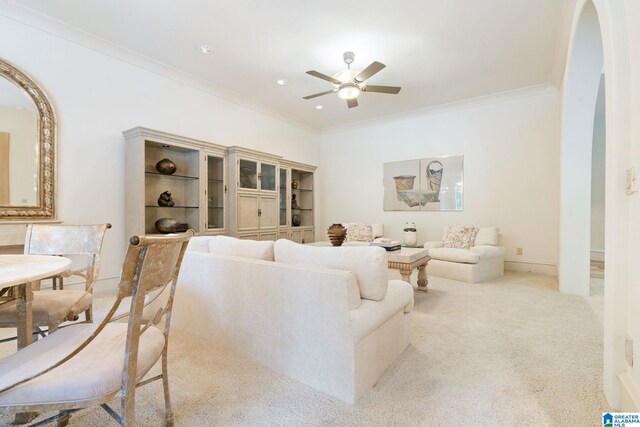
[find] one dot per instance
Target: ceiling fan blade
(369, 71)
(352, 102)
(393, 90)
(315, 95)
(324, 77)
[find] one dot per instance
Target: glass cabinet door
(282, 197)
(248, 174)
(267, 177)
(215, 192)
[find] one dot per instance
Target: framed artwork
(430, 184)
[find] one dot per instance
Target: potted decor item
(410, 235)
(166, 167)
(337, 233)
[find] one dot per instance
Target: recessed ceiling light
(205, 48)
(319, 107)
(282, 82)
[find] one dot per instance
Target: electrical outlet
(518, 251)
(628, 351)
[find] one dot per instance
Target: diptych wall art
(431, 184)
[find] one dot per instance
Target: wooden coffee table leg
(422, 279)
(406, 274)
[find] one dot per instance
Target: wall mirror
(27, 148)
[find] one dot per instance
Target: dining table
(17, 274)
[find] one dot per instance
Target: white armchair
(483, 261)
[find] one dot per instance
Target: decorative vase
(165, 200)
(170, 225)
(296, 219)
(166, 167)
(410, 234)
(294, 184)
(337, 233)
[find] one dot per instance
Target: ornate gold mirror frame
(46, 206)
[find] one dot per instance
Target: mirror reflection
(19, 142)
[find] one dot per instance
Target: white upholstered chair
(52, 307)
(85, 364)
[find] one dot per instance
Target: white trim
(629, 394)
(26, 16)
(532, 267)
(465, 104)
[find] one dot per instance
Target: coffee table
(406, 259)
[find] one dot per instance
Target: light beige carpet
(512, 352)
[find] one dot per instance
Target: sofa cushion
(488, 236)
(460, 236)
(377, 229)
(367, 262)
(455, 255)
(225, 245)
(488, 251)
(357, 232)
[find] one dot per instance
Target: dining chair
(52, 307)
(84, 364)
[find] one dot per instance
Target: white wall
(598, 169)
(511, 172)
(22, 127)
(96, 97)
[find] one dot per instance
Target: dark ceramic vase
(170, 225)
(166, 167)
(165, 200)
(296, 220)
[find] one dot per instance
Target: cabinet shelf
(215, 180)
(180, 177)
(301, 189)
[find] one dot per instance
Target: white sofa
(326, 317)
(484, 261)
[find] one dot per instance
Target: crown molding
(494, 98)
(21, 14)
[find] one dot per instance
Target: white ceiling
(438, 51)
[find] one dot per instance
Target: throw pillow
(357, 232)
(460, 236)
(225, 245)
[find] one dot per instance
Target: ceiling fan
(349, 84)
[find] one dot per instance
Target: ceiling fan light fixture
(349, 91)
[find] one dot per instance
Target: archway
(602, 23)
(582, 81)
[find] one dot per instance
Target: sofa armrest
(434, 244)
(371, 314)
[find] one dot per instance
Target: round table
(18, 271)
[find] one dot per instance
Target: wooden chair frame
(151, 264)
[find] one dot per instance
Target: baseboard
(597, 255)
(629, 394)
(531, 267)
